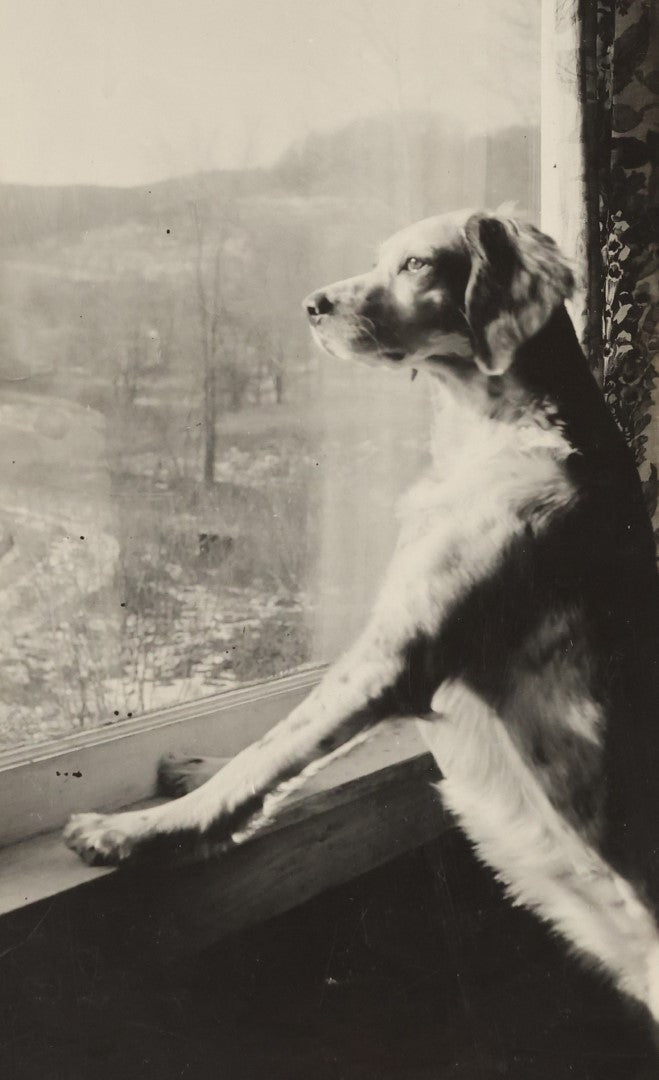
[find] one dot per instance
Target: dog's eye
(413, 265)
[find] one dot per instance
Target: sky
(125, 92)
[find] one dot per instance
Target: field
(124, 589)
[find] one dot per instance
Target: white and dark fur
(517, 619)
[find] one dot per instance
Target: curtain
(619, 82)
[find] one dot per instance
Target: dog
(517, 620)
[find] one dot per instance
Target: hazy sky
(127, 91)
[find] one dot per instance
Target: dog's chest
(458, 523)
(483, 468)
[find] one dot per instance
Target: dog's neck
(548, 390)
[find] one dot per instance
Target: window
(191, 498)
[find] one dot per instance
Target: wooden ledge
(362, 810)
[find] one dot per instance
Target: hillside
(28, 213)
(375, 157)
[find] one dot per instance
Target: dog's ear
(518, 277)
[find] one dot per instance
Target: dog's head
(460, 289)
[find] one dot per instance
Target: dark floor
(417, 971)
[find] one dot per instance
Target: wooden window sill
(362, 810)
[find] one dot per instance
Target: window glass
(191, 497)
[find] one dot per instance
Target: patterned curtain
(620, 85)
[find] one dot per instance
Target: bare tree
(212, 312)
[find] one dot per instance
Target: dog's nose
(318, 303)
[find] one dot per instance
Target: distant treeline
(420, 163)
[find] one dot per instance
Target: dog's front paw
(101, 839)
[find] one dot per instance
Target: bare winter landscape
(168, 435)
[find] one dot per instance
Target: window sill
(110, 767)
(362, 810)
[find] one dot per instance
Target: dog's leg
(179, 776)
(394, 667)
(348, 703)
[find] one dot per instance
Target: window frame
(115, 765)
